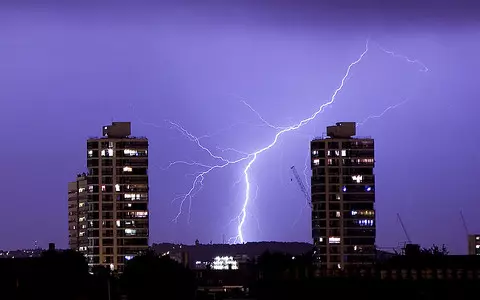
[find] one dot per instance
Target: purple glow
(66, 71)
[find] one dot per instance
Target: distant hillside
(207, 252)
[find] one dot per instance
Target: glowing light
(357, 178)
(334, 240)
(224, 263)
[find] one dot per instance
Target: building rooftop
(117, 130)
(324, 136)
(341, 130)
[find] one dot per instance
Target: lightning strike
(250, 158)
(243, 213)
(412, 61)
(382, 113)
(261, 118)
(198, 180)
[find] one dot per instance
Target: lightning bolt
(406, 58)
(370, 117)
(251, 158)
(243, 213)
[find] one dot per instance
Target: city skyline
(65, 74)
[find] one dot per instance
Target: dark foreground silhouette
(64, 275)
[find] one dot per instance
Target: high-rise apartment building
(343, 198)
(473, 244)
(116, 192)
(77, 214)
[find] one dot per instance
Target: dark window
(92, 145)
(333, 145)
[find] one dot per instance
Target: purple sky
(66, 71)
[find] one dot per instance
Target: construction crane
(409, 241)
(302, 186)
(464, 223)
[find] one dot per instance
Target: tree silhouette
(104, 284)
(272, 266)
(54, 273)
(436, 250)
(147, 275)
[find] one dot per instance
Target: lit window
(365, 161)
(81, 219)
(337, 153)
(81, 190)
(82, 233)
(129, 232)
(315, 152)
(141, 214)
(118, 223)
(344, 152)
(127, 169)
(354, 248)
(90, 188)
(365, 222)
(476, 246)
(368, 188)
(339, 266)
(337, 197)
(363, 212)
(224, 263)
(117, 188)
(130, 152)
(357, 178)
(316, 162)
(334, 240)
(90, 153)
(337, 214)
(81, 204)
(344, 189)
(320, 240)
(103, 188)
(128, 257)
(107, 152)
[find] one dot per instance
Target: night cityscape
(239, 149)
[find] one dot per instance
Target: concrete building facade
(473, 244)
(77, 214)
(343, 198)
(117, 194)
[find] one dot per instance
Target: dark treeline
(64, 275)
